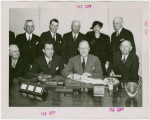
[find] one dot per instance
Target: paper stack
(99, 90)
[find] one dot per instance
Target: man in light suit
(126, 63)
(121, 34)
(49, 63)
(83, 65)
(27, 42)
(51, 36)
(71, 42)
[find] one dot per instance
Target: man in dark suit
(27, 42)
(11, 37)
(71, 42)
(49, 63)
(121, 34)
(51, 36)
(18, 67)
(83, 65)
(126, 63)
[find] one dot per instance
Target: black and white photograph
(75, 59)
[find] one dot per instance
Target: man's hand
(86, 74)
(112, 73)
(77, 77)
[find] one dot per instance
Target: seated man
(126, 63)
(83, 65)
(18, 67)
(49, 63)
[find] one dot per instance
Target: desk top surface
(81, 96)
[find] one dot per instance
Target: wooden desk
(76, 99)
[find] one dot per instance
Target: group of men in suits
(43, 53)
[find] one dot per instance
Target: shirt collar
(27, 36)
(85, 58)
(53, 34)
(14, 60)
(75, 34)
(48, 59)
(119, 30)
(126, 56)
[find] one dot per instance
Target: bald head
(125, 47)
(84, 48)
(118, 23)
(75, 26)
(14, 51)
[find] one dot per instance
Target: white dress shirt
(14, 61)
(75, 34)
(126, 56)
(53, 35)
(27, 36)
(85, 58)
(48, 59)
(119, 30)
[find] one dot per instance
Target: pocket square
(60, 41)
(122, 40)
(57, 68)
(37, 43)
(93, 68)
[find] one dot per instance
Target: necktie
(75, 37)
(49, 63)
(117, 33)
(13, 65)
(124, 60)
(54, 36)
(29, 41)
(83, 64)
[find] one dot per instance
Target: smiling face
(29, 27)
(75, 27)
(14, 51)
(84, 48)
(48, 50)
(54, 26)
(117, 23)
(125, 47)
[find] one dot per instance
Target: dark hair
(55, 20)
(29, 20)
(47, 42)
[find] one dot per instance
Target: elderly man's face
(29, 27)
(14, 52)
(76, 27)
(84, 49)
(117, 23)
(54, 26)
(48, 50)
(125, 47)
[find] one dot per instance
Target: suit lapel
(54, 63)
(43, 60)
(88, 63)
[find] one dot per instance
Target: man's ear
(89, 49)
(130, 48)
(120, 47)
(78, 49)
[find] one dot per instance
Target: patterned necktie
(54, 37)
(49, 63)
(124, 60)
(83, 64)
(117, 33)
(75, 37)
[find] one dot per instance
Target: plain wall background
(41, 17)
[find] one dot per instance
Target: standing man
(71, 42)
(85, 64)
(121, 34)
(51, 36)
(27, 42)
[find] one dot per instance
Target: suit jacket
(99, 47)
(21, 69)
(11, 37)
(124, 34)
(23, 44)
(40, 65)
(127, 70)
(46, 36)
(69, 47)
(93, 66)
